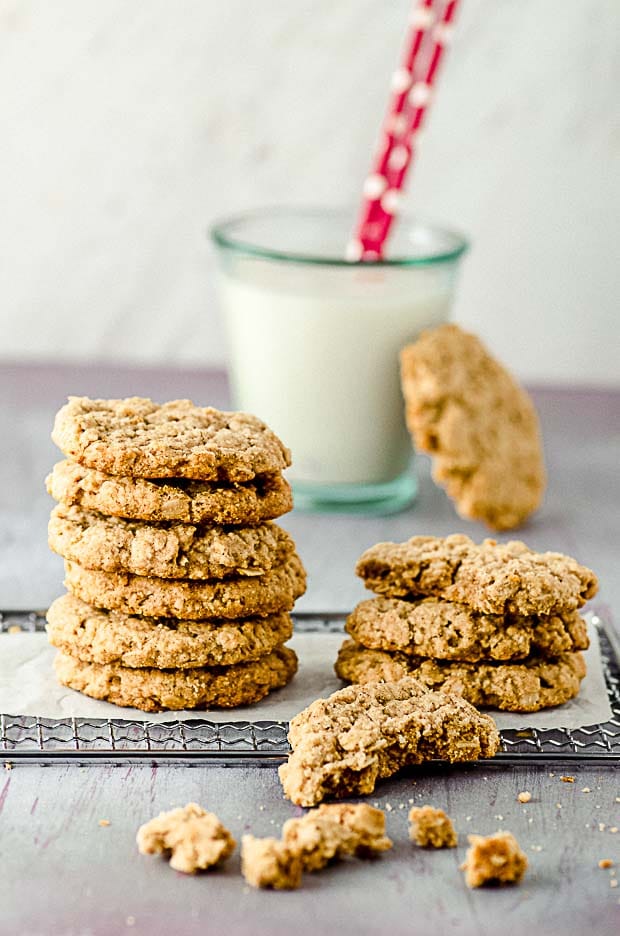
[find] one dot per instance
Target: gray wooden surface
(64, 874)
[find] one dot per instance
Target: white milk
(314, 353)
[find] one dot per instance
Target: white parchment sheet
(28, 687)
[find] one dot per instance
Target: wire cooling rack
(197, 740)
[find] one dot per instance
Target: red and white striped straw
(412, 90)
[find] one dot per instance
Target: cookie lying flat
(139, 438)
(477, 423)
(96, 636)
(344, 744)
(446, 630)
(527, 686)
(267, 594)
(264, 497)
(154, 690)
(495, 578)
(166, 550)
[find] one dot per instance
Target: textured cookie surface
(96, 636)
(344, 744)
(166, 550)
(527, 686)
(495, 578)
(264, 497)
(478, 424)
(140, 438)
(446, 630)
(494, 859)
(154, 690)
(264, 595)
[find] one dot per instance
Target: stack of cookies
(495, 623)
(179, 585)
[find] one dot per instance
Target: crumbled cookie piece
(477, 423)
(525, 686)
(335, 830)
(154, 690)
(269, 862)
(96, 636)
(431, 828)
(524, 797)
(342, 745)
(166, 550)
(139, 438)
(605, 863)
(494, 859)
(195, 839)
(447, 630)
(493, 578)
(567, 779)
(233, 502)
(229, 598)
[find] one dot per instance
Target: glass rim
(221, 234)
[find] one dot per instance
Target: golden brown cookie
(154, 690)
(446, 630)
(494, 578)
(268, 862)
(265, 595)
(194, 839)
(166, 550)
(477, 423)
(142, 439)
(96, 636)
(228, 502)
(431, 828)
(344, 744)
(527, 686)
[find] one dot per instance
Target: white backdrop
(128, 125)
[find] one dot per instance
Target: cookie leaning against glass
(496, 623)
(179, 584)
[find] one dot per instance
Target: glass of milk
(314, 343)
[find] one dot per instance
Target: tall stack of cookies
(495, 623)
(179, 583)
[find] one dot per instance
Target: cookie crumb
(431, 828)
(536, 848)
(524, 797)
(194, 838)
(586, 789)
(495, 858)
(8, 765)
(601, 826)
(268, 862)
(613, 882)
(552, 775)
(130, 921)
(388, 807)
(14, 629)
(499, 818)
(605, 863)
(567, 779)
(104, 822)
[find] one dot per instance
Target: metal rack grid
(197, 740)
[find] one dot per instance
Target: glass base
(387, 498)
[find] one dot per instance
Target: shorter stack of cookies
(179, 585)
(495, 623)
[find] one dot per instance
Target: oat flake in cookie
(139, 438)
(477, 423)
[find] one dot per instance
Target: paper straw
(412, 91)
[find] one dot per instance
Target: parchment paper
(28, 687)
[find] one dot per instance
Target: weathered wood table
(63, 873)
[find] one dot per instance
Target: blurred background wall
(127, 126)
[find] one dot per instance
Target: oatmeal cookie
(494, 859)
(431, 828)
(447, 630)
(267, 594)
(95, 636)
(155, 690)
(477, 423)
(494, 578)
(226, 502)
(166, 550)
(526, 686)
(142, 439)
(344, 744)
(194, 839)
